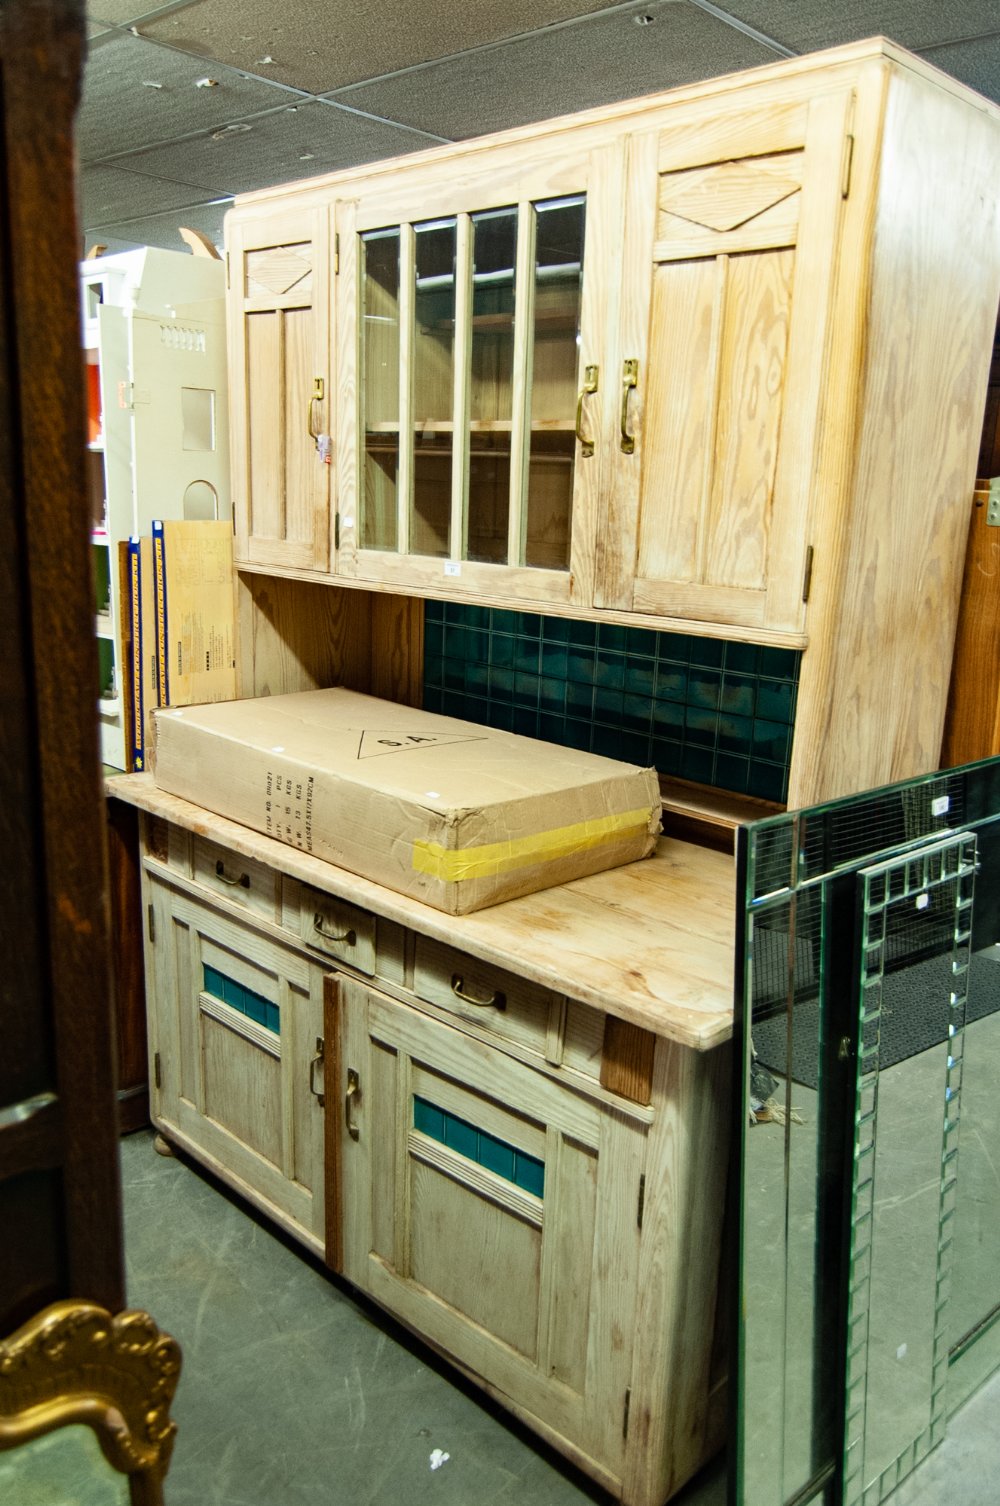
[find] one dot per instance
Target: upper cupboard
(584, 369)
(713, 360)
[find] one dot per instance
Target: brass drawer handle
(590, 374)
(497, 1001)
(317, 1061)
(353, 1091)
(317, 397)
(630, 379)
(350, 937)
(220, 872)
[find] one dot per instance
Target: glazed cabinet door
(280, 378)
(474, 314)
(236, 1050)
(729, 263)
(495, 1212)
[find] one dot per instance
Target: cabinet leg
(162, 1146)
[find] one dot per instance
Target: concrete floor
(296, 1394)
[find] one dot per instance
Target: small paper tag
(940, 805)
(452, 567)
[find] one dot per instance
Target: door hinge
(157, 1074)
(845, 181)
(642, 1201)
(151, 924)
(336, 530)
(336, 253)
(808, 575)
(628, 1404)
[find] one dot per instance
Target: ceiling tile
(291, 143)
(118, 12)
(974, 63)
(121, 109)
(111, 193)
(158, 230)
(315, 50)
(596, 62)
(806, 25)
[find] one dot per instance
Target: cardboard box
(455, 814)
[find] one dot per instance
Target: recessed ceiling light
(644, 20)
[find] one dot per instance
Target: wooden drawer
(511, 1007)
(240, 880)
(337, 929)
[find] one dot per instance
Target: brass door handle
(590, 375)
(630, 379)
(497, 1000)
(353, 1091)
(350, 936)
(317, 397)
(317, 1061)
(220, 872)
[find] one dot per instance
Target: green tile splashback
(698, 708)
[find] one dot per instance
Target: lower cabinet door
(236, 1044)
(495, 1212)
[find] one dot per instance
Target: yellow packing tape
(522, 852)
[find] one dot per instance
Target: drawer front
(512, 1008)
(240, 880)
(335, 928)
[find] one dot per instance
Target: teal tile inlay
(715, 712)
(529, 1174)
(495, 1155)
(245, 1000)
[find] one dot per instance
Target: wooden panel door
(474, 311)
(495, 1213)
(236, 1042)
(279, 382)
(729, 264)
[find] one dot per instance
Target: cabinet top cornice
(620, 115)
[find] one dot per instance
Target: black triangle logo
(379, 744)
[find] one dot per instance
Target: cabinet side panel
(935, 277)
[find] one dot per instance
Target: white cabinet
(158, 428)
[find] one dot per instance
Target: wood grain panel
(306, 479)
(752, 391)
(930, 318)
(972, 723)
(242, 1088)
(334, 1079)
(461, 1243)
(275, 271)
(627, 1060)
(567, 1340)
(679, 418)
(265, 424)
(678, 1270)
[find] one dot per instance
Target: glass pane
(433, 385)
(494, 256)
(558, 268)
(379, 388)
